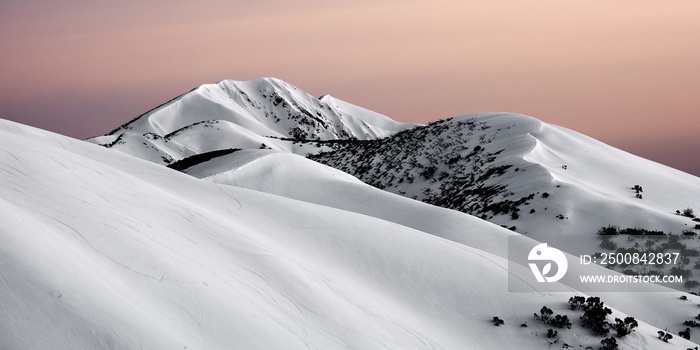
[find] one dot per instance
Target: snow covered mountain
(509, 169)
(524, 174)
(255, 246)
(104, 250)
(261, 113)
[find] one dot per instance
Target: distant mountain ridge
(510, 169)
(260, 113)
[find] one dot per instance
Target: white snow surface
(102, 250)
(263, 112)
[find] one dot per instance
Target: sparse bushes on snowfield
(577, 302)
(609, 344)
(624, 327)
(608, 231)
(594, 316)
(611, 230)
(665, 336)
(638, 191)
(442, 160)
(691, 323)
(685, 334)
(687, 212)
(546, 317)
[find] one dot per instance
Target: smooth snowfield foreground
(102, 250)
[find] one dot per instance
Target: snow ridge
(521, 173)
(260, 113)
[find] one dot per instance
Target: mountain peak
(259, 113)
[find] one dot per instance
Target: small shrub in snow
(691, 323)
(610, 230)
(609, 343)
(685, 334)
(665, 336)
(545, 314)
(594, 316)
(497, 321)
(625, 327)
(546, 317)
(577, 302)
(687, 212)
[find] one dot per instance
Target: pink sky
(624, 72)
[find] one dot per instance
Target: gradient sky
(626, 72)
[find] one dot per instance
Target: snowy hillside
(103, 250)
(261, 113)
(519, 172)
(374, 240)
(509, 169)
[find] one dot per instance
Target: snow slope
(103, 250)
(509, 169)
(260, 113)
(519, 172)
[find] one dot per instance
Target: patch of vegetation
(546, 317)
(609, 344)
(441, 164)
(687, 212)
(611, 230)
(685, 334)
(665, 336)
(594, 316)
(638, 191)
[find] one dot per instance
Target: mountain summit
(260, 113)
